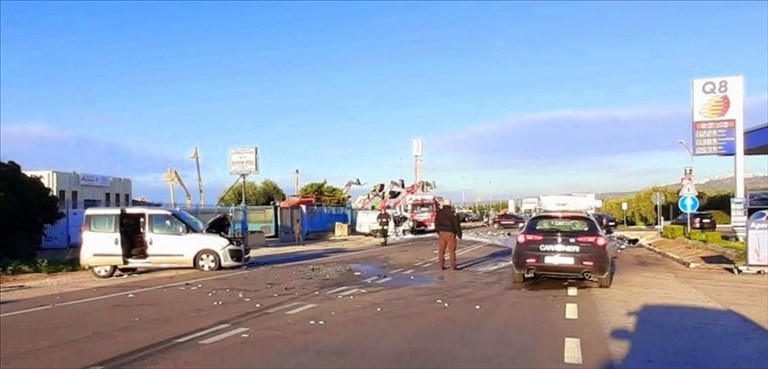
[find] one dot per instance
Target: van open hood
(220, 224)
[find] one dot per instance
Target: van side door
(101, 241)
(165, 239)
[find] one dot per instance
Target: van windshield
(192, 222)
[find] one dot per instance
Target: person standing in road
(448, 227)
(298, 234)
(383, 219)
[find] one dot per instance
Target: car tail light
(530, 261)
(522, 237)
(597, 240)
(588, 263)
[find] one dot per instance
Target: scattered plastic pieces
(477, 307)
(131, 295)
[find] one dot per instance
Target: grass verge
(41, 265)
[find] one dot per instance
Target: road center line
(202, 333)
(471, 248)
(409, 271)
(298, 310)
(369, 280)
(276, 309)
(573, 291)
(384, 280)
(571, 311)
(223, 336)
(427, 265)
(396, 271)
(572, 352)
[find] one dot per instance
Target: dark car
(508, 220)
(563, 244)
(699, 220)
(606, 221)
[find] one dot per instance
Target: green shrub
(673, 231)
(739, 246)
(697, 235)
(721, 217)
(39, 266)
(714, 237)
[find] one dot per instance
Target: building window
(107, 199)
(74, 199)
(62, 199)
(127, 200)
(117, 200)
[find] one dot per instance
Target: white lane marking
(409, 271)
(571, 311)
(396, 271)
(195, 281)
(121, 294)
(26, 311)
(350, 292)
(202, 333)
(298, 310)
(276, 309)
(384, 280)
(427, 265)
(369, 280)
(573, 291)
(339, 289)
(223, 336)
(419, 263)
(572, 352)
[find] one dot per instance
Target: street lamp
(690, 152)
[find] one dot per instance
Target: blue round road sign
(688, 204)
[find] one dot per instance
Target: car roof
(563, 213)
(128, 209)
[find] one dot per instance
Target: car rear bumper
(598, 269)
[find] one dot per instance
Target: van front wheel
(207, 261)
(103, 271)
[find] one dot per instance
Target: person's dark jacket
(447, 221)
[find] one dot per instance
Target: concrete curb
(671, 256)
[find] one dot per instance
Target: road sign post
(242, 162)
(688, 204)
(659, 199)
(624, 207)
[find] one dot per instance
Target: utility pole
(463, 193)
(297, 182)
(196, 157)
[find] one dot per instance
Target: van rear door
(101, 243)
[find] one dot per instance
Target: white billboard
(717, 114)
(244, 160)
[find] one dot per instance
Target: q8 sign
(718, 109)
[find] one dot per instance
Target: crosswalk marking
(202, 333)
(338, 289)
(276, 309)
(572, 351)
(571, 311)
(300, 309)
(223, 336)
(350, 292)
(573, 291)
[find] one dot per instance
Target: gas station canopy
(756, 140)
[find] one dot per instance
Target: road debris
(131, 295)
(477, 307)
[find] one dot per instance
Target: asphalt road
(389, 307)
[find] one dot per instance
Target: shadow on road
(668, 336)
(494, 255)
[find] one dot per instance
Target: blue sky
(511, 98)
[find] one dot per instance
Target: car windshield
(191, 222)
(553, 224)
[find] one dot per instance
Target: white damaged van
(147, 237)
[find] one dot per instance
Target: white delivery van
(146, 237)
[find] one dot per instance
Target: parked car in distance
(508, 220)
(701, 220)
(606, 221)
(465, 216)
(759, 215)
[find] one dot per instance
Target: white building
(80, 191)
(76, 192)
